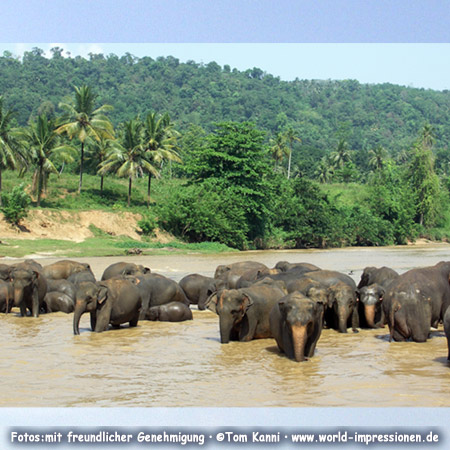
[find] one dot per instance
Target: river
(183, 364)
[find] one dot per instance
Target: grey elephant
(169, 312)
(58, 301)
(296, 323)
(285, 266)
(81, 277)
(417, 300)
(29, 288)
(157, 290)
(198, 288)
(114, 301)
(64, 268)
(124, 268)
(310, 288)
(63, 286)
(244, 313)
(6, 296)
(370, 312)
(447, 330)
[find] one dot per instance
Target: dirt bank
(74, 226)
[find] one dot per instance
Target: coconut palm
(378, 157)
(324, 170)
(98, 152)
(8, 144)
(427, 136)
(341, 155)
(290, 137)
(84, 122)
(45, 149)
(127, 158)
(160, 140)
(279, 149)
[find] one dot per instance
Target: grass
(101, 246)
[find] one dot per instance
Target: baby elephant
(169, 312)
(296, 323)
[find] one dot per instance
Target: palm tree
(127, 157)
(378, 157)
(45, 149)
(160, 140)
(291, 137)
(324, 170)
(84, 122)
(279, 148)
(7, 142)
(99, 151)
(427, 136)
(342, 155)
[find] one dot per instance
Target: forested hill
(193, 93)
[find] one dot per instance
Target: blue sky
(404, 42)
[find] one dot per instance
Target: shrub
(15, 204)
(148, 225)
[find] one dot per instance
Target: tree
(84, 122)
(45, 149)
(160, 141)
(279, 149)
(341, 155)
(423, 180)
(99, 151)
(378, 157)
(127, 157)
(7, 141)
(290, 137)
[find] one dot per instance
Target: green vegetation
(239, 158)
(15, 204)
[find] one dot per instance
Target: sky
(405, 42)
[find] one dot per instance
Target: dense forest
(260, 156)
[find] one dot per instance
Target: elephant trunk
(225, 330)
(18, 296)
(343, 319)
(80, 308)
(299, 337)
(369, 312)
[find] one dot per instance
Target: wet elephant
(58, 301)
(63, 269)
(377, 275)
(341, 311)
(6, 296)
(198, 288)
(417, 300)
(229, 275)
(124, 268)
(296, 323)
(114, 302)
(370, 311)
(63, 286)
(81, 277)
(244, 313)
(310, 288)
(447, 330)
(285, 266)
(169, 312)
(29, 288)
(157, 290)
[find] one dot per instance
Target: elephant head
(371, 297)
(342, 302)
(231, 306)
(25, 283)
(301, 324)
(90, 297)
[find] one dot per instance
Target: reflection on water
(184, 364)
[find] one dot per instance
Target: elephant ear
(102, 294)
(211, 302)
(246, 302)
(331, 295)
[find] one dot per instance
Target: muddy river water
(183, 364)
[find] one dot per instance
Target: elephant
(58, 301)
(285, 266)
(170, 312)
(341, 310)
(447, 330)
(29, 288)
(6, 296)
(296, 323)
(124, 268)
(238, 268)
(157, 290)
(81, 277)
(374, 275)
(114, 301)
(64, 268)
(371, 288)
(63, 286)
(198, 288)
(417, 300)
(244, 313)
(310, 288)
(370, 312)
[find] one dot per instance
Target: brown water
(184, 364)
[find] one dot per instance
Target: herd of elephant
(291, 302)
